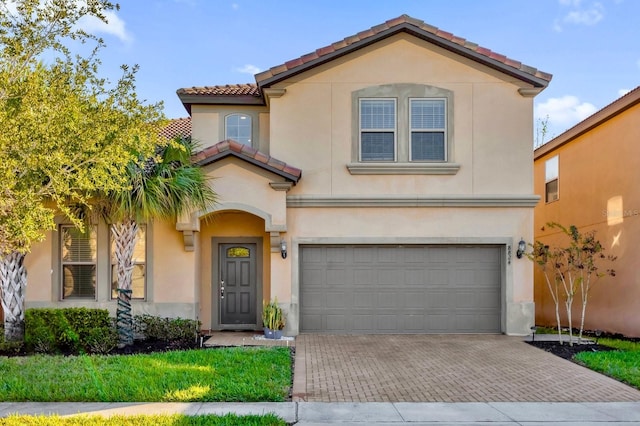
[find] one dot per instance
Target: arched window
(238, 128)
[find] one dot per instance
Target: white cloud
(623, 92)
(114, 26)
(580, 13)
(563, 112)
(248, 69)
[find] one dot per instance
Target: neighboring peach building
(588, 177)
(380, 184)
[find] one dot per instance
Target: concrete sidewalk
(378, 413)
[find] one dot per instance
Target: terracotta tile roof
(249, 89)
(244, 152)
(177, 127)
(416, 27)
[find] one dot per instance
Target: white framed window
(138, 284)
(377, 129)
(78, 259)
(238, 128)
(428, 127)
(551, 175)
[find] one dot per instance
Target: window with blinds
(78, 255)
(428, 129)
(377, 129)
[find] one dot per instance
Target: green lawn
(622, 364)
(155, 420)
(229, 374)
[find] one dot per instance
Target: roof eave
(224, 154)
(613, 109)
(221, 100)
(422, 34)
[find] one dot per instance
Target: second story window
(238, 128)
(428, 129)
(551, 179)
(377, 129)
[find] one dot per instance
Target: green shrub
(74, 330)
(9, 347)
(177, 330)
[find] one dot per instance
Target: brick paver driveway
(451, 368)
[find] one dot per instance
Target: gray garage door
(400, 289)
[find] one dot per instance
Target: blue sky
(591, 47)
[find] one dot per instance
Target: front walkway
(442, 368)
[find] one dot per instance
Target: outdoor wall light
(283, 249)
(522, 246)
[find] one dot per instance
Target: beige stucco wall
(207, 124)
(598, 175)
(492, 122)
(171, 281)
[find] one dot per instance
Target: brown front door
(237, 285)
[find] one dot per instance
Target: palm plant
(161, 187)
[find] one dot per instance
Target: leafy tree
(164, 186)
(571, 270)
(66, 132)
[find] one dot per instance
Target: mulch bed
(566, 351)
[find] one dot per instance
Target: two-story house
(588, 177)
(380, 184)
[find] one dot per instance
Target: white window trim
(556, 178)
(442, 130)
(63, 263)
(226, 131)
(382, 130)
(402, 166)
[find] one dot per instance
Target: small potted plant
(272, 319)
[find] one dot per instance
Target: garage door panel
(314, 277)
(387, 299)
(312, 322)
(414, 299)
(390, 277)
(387, 323)
(415, 277)
(364, 299)
(335, 323)
(438, 277)
(314, 299)
(364, 277)
(339, 277)
(337, 299)
(336, 255)
(437, 299)
(392, 289)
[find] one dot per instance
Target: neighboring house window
(428, 130)
(238, 128)
(138, 284)
(377, 129)
(78, 254)
(551, 179)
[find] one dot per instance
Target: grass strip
(204, 375)
(623, 345)
(144, 420)
(620, 365)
